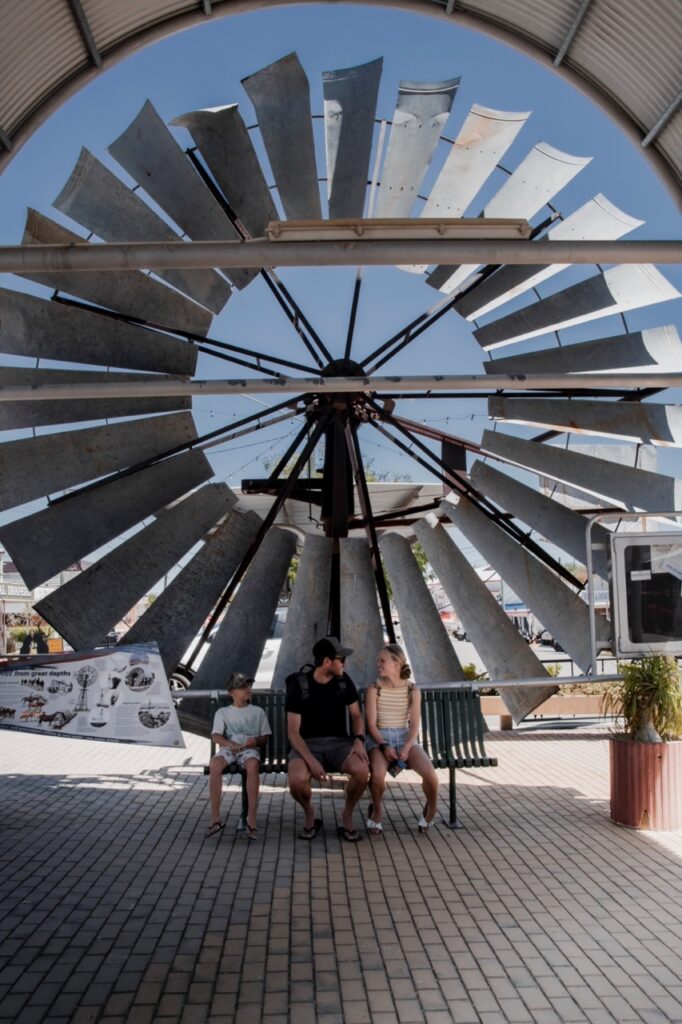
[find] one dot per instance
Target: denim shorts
(393, 737)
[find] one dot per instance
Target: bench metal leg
(453, 823)
(241, 826)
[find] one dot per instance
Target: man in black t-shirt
(317, 704)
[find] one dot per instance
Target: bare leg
(358, 774)
(215, 785)
(252, 766)
(377, 781)
(419, 762)
(300, 789)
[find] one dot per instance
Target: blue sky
(203, 67)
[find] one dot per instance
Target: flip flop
(375, 828)
(310, 833)
(250, 833)
(350, 835)
(214, 829)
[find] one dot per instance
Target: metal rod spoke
(263, 529)
(355, 455)
(353, 313)
(196, 442)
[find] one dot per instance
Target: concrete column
(361, 625)
(633, 488)
(179, 613)
(559, 524)
(308, 613)
(430, 652)
(559, 609)
(504, 652)
(238, 644)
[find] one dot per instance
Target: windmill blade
(421, 112)
(36, 466)
(45, 543)
(350, 99)
(150, 155)
(431, 654)
(130, 292)
(644, 422)
(14, 415)
(615, 291)
(280, 95)
(635, 489)
(482, 141)
(223, 140)
(539, 177)
(559, 609)
(88, 606)
(35, 327)
(307, 617)
(361, 626)
(94, 197)
(502, 649)
(239, 642)
(659, 346)
(177, 615)
(597, 220)
(552, 520)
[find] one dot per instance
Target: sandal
(250, 833)
(350, 835)
(310, 833)
(375, 828)
(214, 829)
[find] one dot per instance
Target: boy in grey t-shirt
(240, 731)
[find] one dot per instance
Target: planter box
(646, 783)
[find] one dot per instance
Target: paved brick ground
(115, 909)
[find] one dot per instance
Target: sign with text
(119, 694)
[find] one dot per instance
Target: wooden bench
(452, 734)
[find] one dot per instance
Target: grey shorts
(240, 758)
(330, 751)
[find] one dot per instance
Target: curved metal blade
(239, 642)
(49, 541)
(88, 606)
(540, 176)
(502, 649)
(622, 485)
(41, 413)
(350, 99)
(598, 219)
(36, 466)
(224, 142)
(616, 290)
(552, 520)
(659, 346)
(31, 326)
(421, 112)
(94, 197)
(280, 94)
(130, 292)
(153, 158)
(559, 609)
(177, 615)
(644, 422)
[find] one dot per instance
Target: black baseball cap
(330, 647)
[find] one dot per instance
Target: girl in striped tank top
(392, 710)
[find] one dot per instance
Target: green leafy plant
(648, 697)
(472, 674)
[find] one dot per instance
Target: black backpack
(301, 677)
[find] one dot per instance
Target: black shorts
(330, 751)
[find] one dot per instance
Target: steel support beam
(258, 252)
(472, 383)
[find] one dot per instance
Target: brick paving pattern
(115, 908)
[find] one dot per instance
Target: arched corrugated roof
(624, 53)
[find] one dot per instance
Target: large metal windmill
(144, 458)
